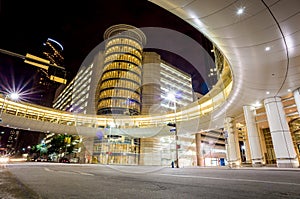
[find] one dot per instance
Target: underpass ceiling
(258, 74)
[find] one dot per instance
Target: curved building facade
(120, 84)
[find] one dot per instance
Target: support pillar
(297, 99)
(285, 153)
(253, 136)
(231, 145)
(247, 151)
(199, 154)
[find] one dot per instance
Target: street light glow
(14, 96)
(112, 124)
(240, 11)
(171, 96)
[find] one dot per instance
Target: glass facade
(116, 149)
(120, 83)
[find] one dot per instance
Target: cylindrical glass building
(121, 80)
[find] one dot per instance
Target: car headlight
(4, 159)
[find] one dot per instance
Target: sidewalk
(245, 167)
(11, 188)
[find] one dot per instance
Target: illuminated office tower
(43, 85)
(53, 52)
(120, 83)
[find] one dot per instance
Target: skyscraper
(43, 85)
(120, 84)
(53, 52)
(132, 81)
(124, 80)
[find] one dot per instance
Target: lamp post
(13, 96)
(171, 96)
(111, 125)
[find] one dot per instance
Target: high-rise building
(119, 91)
(161, 78)
(124, 80)
(75, 97)
(79, 96)
(43, 85)
(132, 81)
(53, 52)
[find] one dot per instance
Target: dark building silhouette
(44, 85)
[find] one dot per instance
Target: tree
(61, 143)
(39, 150)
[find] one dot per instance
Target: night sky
(79, 27)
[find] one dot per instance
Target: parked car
(41, 159)
(64, 160)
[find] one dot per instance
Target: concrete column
(247, 151)
(281, 137)
(253, 136)
(199, 154)
(231, 145)
(87, 152)
(297, 99)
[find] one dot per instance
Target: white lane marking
(70, 172)
(46, 169)
(238, 179)
(87, 174)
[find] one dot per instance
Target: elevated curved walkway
(190, 119)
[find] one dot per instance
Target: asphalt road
(70, 181)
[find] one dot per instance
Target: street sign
(173, 130)
(225, 134)
(58, 79)
(171, 124)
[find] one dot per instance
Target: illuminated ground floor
(160, 151)
(207, 148)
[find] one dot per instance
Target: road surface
(72, 181)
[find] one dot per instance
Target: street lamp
(171, 96)
(111, 125)
(13, 96)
